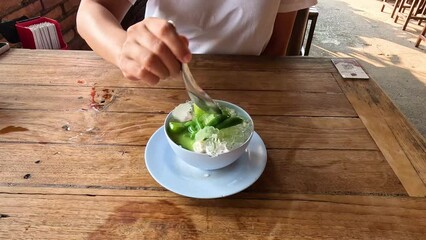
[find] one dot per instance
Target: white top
(224, 26)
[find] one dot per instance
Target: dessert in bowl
(208, 141)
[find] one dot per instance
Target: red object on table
(26, 36)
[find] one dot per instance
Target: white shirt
(224, 26)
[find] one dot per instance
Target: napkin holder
(26, 35)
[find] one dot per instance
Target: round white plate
(177, 176)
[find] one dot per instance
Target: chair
(423, 9)
(385, 2)
(313, 16)
(416, 12)
(422, 36)
(394, 4)
(399, 5)
(298, 33)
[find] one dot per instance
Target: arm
(98, 22)
(150, 50)
(277, 45)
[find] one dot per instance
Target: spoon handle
(197, 94)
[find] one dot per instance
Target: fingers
(160, 49)
(139, 51)
(152, 51)
(132, 71)
(167, 33)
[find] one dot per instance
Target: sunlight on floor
(358, 29)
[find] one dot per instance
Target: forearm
(101, 28)
(149, 50)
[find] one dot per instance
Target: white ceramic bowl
(204, 161)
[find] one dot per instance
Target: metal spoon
(197, 94)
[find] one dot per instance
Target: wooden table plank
(263, 81)
(43, 58)
(328, 171)
(208, 79)
(290, 216)
(89, 127)
(160, 100)
(261, 63)
(222, 62)
(402, 146)
(123, 167)
(52, 75)
(314, 133)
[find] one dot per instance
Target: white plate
(177, 176)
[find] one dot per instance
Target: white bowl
(204, 161)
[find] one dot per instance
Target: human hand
(152, 51)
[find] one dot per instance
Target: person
(153, 49)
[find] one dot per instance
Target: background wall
(63, 11)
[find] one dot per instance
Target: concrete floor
(358, 29)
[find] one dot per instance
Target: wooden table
(343, 162)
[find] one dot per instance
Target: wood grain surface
(287, 171)
(343, 162)
(65, 98)
(401, 144)
(287, 217)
